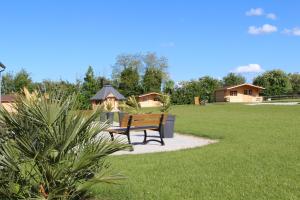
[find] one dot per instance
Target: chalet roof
(105, 91)
(8, 98)
(241, 85)
(147, 94)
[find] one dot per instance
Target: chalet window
(248, 92)
(233, 93)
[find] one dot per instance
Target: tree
(204, 88)
(101, 81)
(129, 81)
(161, 63)
(233, 79)
(21, 80)
(49, 86)
(295, 82)
(186, 92)
(208, 86)
(169, 87)
(123, 62)
(275, 82)
(147, 72)
(16, 82)
(155, 73)
(152, 80)
(8, 85)
(88, 89)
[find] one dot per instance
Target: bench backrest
(143, 120)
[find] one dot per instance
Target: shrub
(131, 106)
(51, 151)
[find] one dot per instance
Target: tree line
(134, 74)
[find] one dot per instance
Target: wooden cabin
(107, 95)
(8, 101)
(246, 93)
(149, 100)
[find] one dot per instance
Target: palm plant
(51, 151)
(131, 106)
(166, 102)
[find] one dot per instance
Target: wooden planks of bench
(140, 122)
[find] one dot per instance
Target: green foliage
(208, 86)
(49, 86)
(169, 87)
(152, 80)
(275, 82)
(233, 79)
(129, 81)
(185, 93)
(88, 89)
(131, 106)
(51, 151)
(21, 80)
(203, 88)
(16, 82)
(137, 73)
(124, 61)
(295, 82)
(8, 85)
(166, 103)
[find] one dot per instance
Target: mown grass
(257, 157)
(285, 100)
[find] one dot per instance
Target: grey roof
(105, 91)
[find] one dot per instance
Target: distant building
(107, 95)
(239, 93)
(149, 100)
(8, 101)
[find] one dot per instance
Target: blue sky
(59, 39)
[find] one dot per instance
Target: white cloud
(255, 12)
(260, 12)
(265, 29)
(251, 68)
(271, 16)
(294, 31)
(168, 44)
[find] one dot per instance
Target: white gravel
(179, 142)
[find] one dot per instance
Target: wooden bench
(140, 122)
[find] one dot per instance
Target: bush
(51, 151)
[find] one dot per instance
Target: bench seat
(133, 128)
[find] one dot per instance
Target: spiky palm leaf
(51, 151)
(131, 106)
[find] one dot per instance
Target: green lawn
(285, 100)
(257, 157)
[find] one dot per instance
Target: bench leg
(161, 139)
(128, 137)
(145, 137)
(129, 142)
(112, 136)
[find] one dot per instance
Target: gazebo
(107, 95)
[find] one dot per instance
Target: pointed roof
(244, 84)
(105, 91)
(8, 98)
(150, 93)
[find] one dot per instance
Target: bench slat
(146, 116)
(145, 123)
